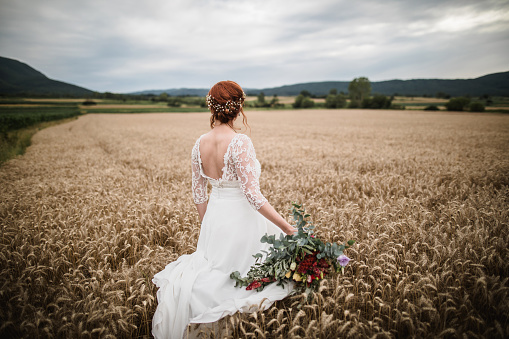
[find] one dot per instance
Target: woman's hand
(202, 208)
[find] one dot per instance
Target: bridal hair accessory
(231, 105)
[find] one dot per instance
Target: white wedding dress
(197, 288)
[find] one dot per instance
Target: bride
(197, 288)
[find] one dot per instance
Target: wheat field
(98, 205)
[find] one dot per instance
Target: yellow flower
(288, 274)
(297, 277)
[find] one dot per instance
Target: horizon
(313, 82)
(248, 89)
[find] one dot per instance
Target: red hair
(225, 100)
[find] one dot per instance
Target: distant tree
(359, 89)
(89, 102)
(487, 99)
(330, 101)
(333, 91)
(305, 93)
(476, 107)
(303, 101)
(341, 100)
(261, 98)
(298, 101)
(335, 101)
(307, 102)
(174, 101)
(432, 108)
(457, 104)
(260, 101)
(163, 97)
(354, 104)
(378, 101)
(275, 102)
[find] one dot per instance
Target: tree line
(359, 96)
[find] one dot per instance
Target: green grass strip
(13, 143)
(145, 110)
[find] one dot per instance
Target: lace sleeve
(199, 183)
(245, 165)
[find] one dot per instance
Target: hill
(496, 84)
(200, 92)
(17, 78)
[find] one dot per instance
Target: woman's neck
(224, 126)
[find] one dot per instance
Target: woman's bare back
(213, 147)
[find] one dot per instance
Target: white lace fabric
(240, 166)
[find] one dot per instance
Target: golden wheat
(97, 206)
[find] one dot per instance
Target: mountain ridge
(495, 84)
(18, 78)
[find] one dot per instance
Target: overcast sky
(130, 45)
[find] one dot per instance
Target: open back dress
(197, 288)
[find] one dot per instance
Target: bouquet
(300, 258)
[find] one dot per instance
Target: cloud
(132, 45)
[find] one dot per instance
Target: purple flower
(343, 260)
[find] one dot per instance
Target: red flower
(254, 285)
(308, 261)
(323, 263)
(266, 279)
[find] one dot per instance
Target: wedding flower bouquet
(300, 258)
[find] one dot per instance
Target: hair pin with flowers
(231, 105)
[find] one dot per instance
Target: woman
(197, 288)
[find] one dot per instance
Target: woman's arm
(270, 213)
(199, 184)
(245, 166)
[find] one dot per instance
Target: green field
(17, 117)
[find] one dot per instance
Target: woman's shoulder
(241, 140)
(241, 143)
(197, 142)
(243, 137)
(196, 147)
(201, 136)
